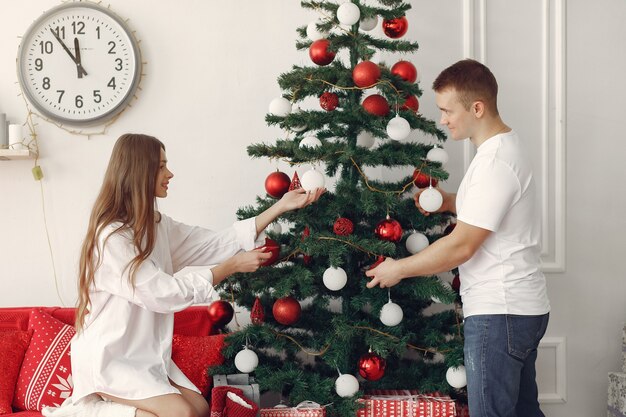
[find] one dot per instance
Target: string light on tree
(335, 278)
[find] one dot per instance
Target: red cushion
(195, 354)
(13, 345)
(45, 377)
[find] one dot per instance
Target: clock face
(79, 64)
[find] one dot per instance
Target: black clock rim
(97, 119)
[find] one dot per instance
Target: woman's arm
(292, 200)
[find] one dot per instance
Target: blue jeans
(500, 353)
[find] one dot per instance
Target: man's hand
(387, 274)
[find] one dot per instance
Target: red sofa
(194, 349)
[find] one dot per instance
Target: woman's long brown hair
(127, 196)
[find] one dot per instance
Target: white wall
(211, 71)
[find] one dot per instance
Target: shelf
(14, 154)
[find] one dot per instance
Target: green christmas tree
(337, 325)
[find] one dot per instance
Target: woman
(127, 291)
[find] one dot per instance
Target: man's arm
(443, 255)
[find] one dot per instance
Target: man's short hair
(472, 81)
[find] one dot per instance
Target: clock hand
(79, 65)
(63, 45)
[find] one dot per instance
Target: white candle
(15, 137)
(3, 131)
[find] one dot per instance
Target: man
(496, 246)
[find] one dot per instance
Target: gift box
(406, 403)
(244, 382)
(304, 409)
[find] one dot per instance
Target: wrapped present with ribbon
(406, 403)
(304, 409)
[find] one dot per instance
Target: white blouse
(125, 348)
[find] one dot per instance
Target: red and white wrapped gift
(304, 409)
(406, 403)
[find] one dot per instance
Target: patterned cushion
(45, 377)
(13, 345)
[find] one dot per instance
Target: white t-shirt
(498, 194)
(125, 347)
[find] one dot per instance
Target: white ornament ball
(312, 179)
(435, 298)
(246, 360)
(335, 278)
(310, 142)
(280, 106)
(348, 14)
(365, 139)
(369, 23)
(398, 128)
(275, 228)
(416, 242)
(346, 385)
(437, 155)
(313, 33)
(456, 376)
(297, 129)
(391, 314)
(431, 199)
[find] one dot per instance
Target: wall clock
(79, 64)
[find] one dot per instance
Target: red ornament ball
(273, 247)
(365, 74)
(343, 227)
(376, 105)
(319, 53)
(329, 101)
(277, 184)
(372, 367)
(221, 313)
(286, 310)
(405, 70)
(411, 103)
(389, 229)
(395, 28)
(422, 180)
